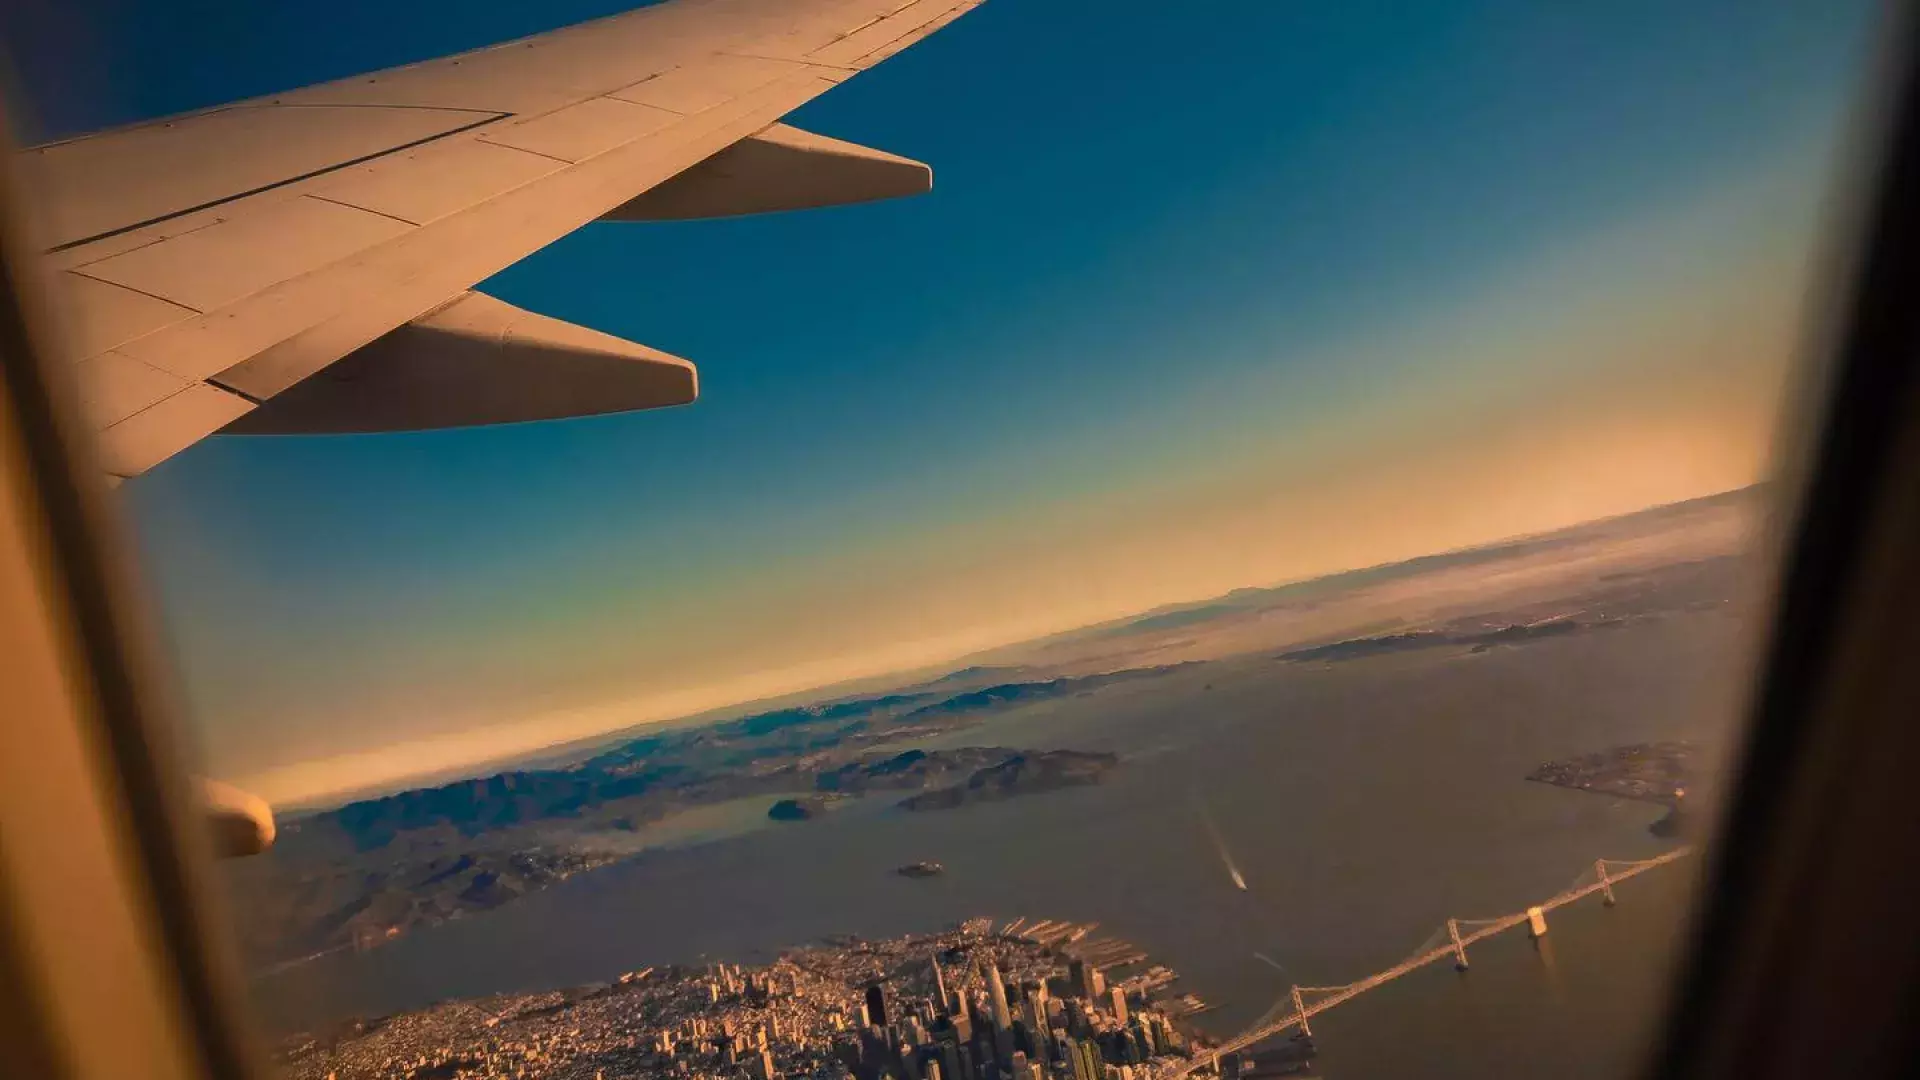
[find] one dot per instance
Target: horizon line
(482, 768)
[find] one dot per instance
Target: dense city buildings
(970, 1003)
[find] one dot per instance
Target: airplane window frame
(121, 916)
(1807, 887)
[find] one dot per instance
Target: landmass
(969, 1002)
(365, 873)
(1678, 822)
(920, 870)
(1650, 772)
(909, 769)
(804, 808)
(1473, 636)
(1659, 772)
(1018, 774)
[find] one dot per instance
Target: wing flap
(707, 83)
(782, 168)
(101, 315)
(422, 186)
(580, 131)
(103, 184)
(476, 361)
(157, 432)
(884, 37)
(209, 268)
(114, 387)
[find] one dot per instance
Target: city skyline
(855, 1010)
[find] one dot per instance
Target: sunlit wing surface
(214, 267)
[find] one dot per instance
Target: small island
(1648, 772)
(1660, 773)
(920, 870)
(804, 808)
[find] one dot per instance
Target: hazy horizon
(911, 676)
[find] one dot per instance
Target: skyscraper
(1088, 981)
(1119, 1005)
(1077, 1017)
(1083, 1059)
(1036, 1020)
(1142, 1038)
(997, 996)
(1002, 1016)
(876, 1004)
(1090, 1054)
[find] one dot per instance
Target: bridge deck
(1336, 995)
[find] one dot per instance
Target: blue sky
(1198, 292)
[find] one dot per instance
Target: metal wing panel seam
(287, 182)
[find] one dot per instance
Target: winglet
(782, 168)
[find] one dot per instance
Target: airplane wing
(303, 262)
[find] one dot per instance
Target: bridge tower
(1300, 1011)
(1606, 883)
(1459, 947)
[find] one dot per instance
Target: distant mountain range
(1246, 600)
(1018, 774)
(1008, 674)
(374, 868)
(737, 757)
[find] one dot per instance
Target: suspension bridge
(1303, 1003)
